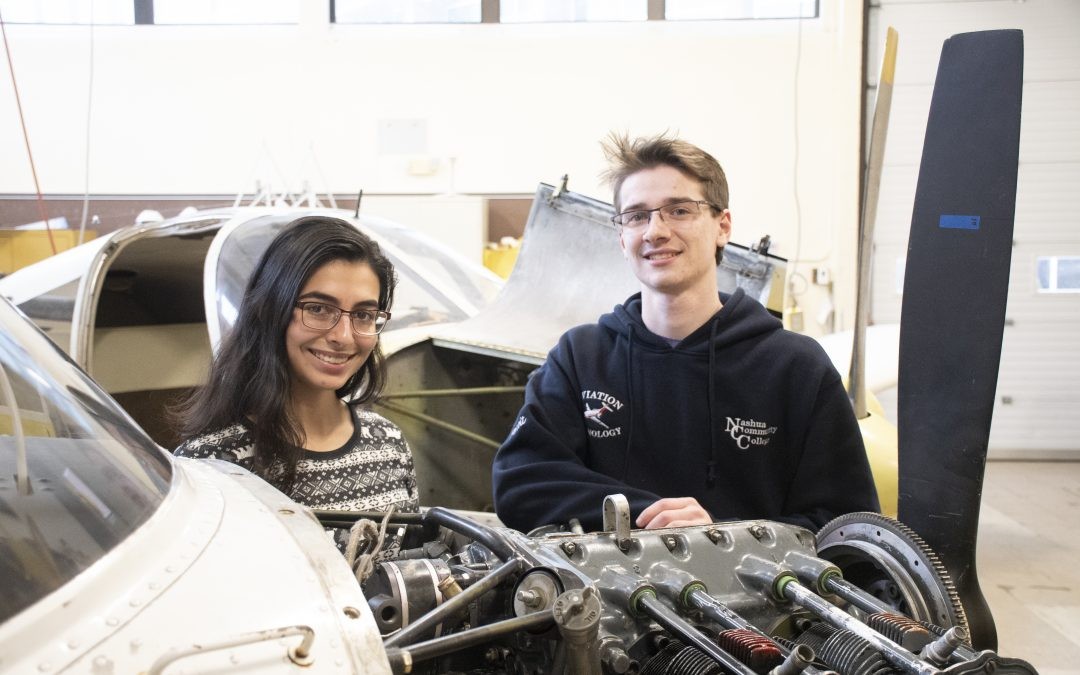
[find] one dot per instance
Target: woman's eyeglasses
(321, 316)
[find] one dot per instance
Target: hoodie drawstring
(629, 399)
(710, 473)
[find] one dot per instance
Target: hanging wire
(795, 130)
(795, 259)
(89, 110)
(26, 137)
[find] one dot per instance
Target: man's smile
(663, 254)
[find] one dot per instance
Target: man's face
(671, 257)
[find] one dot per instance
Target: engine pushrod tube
(719, 612)
(453, 605)
(398, 518)
(464, 391)
(726, 617)
(672, 622)
(825, 610)
(401, 659)
(871, 605)
(436, 422)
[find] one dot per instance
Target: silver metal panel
(570, 270)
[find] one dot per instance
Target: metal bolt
(530, 598)
(758, 531)
(715, 536)
(615, 658)
(569, 548)
(670, 541)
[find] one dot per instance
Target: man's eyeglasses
(677, 212)
(321, 316)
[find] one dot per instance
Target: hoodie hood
(740, 318)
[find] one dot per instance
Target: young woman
(286, 392)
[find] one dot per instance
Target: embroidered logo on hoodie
(520, 422)
(747, 432)
(600, 412)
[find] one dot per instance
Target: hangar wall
(212, 109)
(1039, 383)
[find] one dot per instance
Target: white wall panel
(1052, 51)
(1048, 204)
(212, 109)
(1039, 383)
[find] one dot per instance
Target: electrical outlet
(822, 276)
(793, 319)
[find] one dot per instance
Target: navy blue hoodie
(746, 417)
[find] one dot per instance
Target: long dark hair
(249, 377)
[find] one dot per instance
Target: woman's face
(324, 360)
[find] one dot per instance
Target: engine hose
(402, 659)
(487, 536)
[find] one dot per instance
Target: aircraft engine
(865, 597)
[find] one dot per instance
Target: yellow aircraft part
(500, 258)
(879, 437)
(30, 427)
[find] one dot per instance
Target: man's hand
(673, 512)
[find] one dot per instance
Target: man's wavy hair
(626, 156)
(249, 378)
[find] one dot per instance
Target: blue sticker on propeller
(959, 222)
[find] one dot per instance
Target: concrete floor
(1029, 561)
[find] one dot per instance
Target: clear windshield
(76, 475)
(475, 286)
(434, 286)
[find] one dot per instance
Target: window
(405, 11)
(204, 12)
(130, 12)
(115, 12)
(1058, 274)
(536, 11)
(678, 10)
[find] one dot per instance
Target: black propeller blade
(955, 290)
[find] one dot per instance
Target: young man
(696, 405)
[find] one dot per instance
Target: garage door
(1037, 412)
